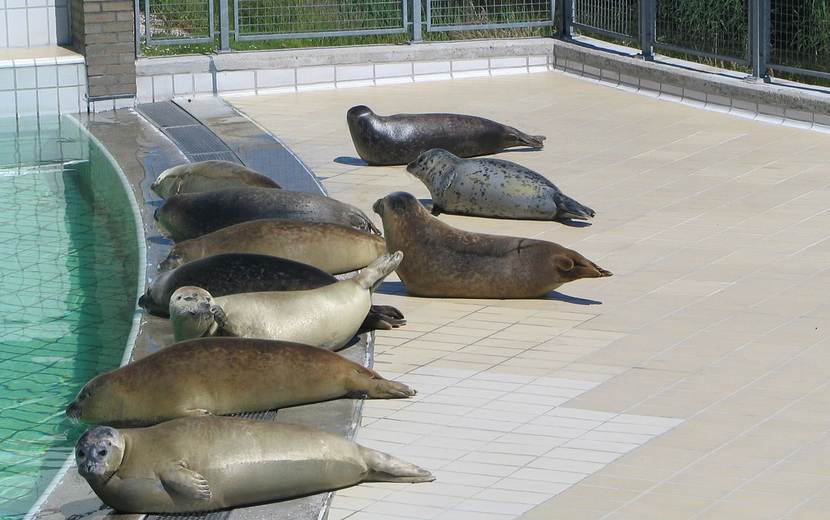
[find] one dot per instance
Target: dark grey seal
(191, 215)
(235, 273)
(492, 188)
(400, 138)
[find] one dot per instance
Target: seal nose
(377, 207)
(156, 214)
(142, 301)
(73, 411)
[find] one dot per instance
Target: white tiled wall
(42, 85)
(267, 81)
(34, 23)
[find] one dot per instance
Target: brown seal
(442, 261)
(333, 248)
(219, 376)
(207, 463)
(206, 176)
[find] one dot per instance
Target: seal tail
(379, 269)
(523, 139)
(569, 208)
(386, 468)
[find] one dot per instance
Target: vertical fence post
(648, 22)
(224, 27)
(417, 37)
(567, 30)
(759, 38)
(137, 28)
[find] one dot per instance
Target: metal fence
(165, 22)
(791, 36)
(472, 15)
(283, 19)
(617, 19)
(719, 31)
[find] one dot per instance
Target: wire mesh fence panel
(618, 18)
(177, 21)
(265, 19)
(713, 28)
(463, 15)
(800, 34)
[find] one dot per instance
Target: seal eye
(102, 453)
(81, 454)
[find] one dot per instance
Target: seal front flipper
(386, 468)
(178, 479)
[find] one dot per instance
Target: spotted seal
(442, 261)
(194, 214)
(400, 138)
(207, 176)
(206, 463)
(492, 188)
(218, 376)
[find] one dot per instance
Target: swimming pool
(68, 281)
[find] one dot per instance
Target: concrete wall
(33, 23)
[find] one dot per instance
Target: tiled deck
(692, 384)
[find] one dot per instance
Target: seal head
(192, 313)
(98, 454)
(90, 404)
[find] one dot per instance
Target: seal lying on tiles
(191, 215)
(327, 317)
(492, 188)
(331, 247)
(235, 273)
(219, 376)
(400, 138)
(207, 176)
(442, 261)
(207, 463)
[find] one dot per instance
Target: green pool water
(68, 276)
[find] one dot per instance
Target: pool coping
(142, 147)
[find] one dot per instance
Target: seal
(207, 463)
(400, 138)
(327, 317)
(492, 188)
(332, 248)
(442, 261)
(219, 376)
(234, 273)
(207, 176)
(194, 214)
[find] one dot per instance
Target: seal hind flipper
(179, 479)
(569, 208)
(371, 384)
(386, 468)
(521, 138)
(375, 272)
(382, 317)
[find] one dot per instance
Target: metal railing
(791, 36)
(473, 15)
(284, 19)
(170, 22)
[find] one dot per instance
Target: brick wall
(104, 32)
